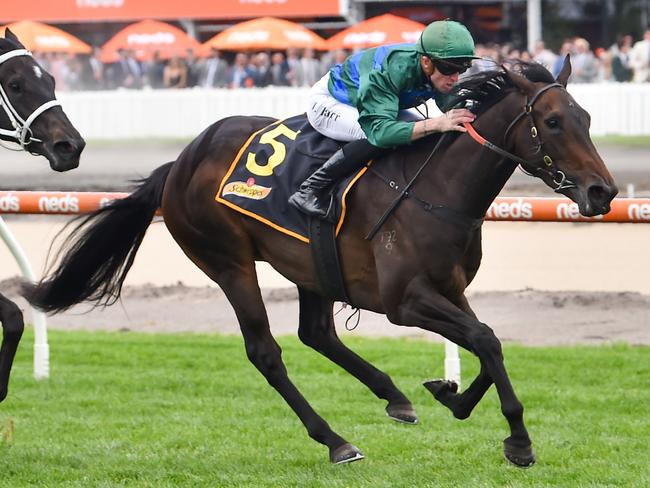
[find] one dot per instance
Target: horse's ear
(563, 77)
(522, 83)
(12, 37)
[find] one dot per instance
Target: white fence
(615, 108)
(172, 113)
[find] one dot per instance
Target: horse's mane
(482, 90)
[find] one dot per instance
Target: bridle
(21, 133)
(557, 176)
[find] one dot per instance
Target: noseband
(22, 133)
(557, 176)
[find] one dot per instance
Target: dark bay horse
(32, 119)
(419, 280)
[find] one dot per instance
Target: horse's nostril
(596, 193)
(601, 194)
(69, 148)
(64, 147)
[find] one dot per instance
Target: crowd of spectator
(218, 70)
(624, 61)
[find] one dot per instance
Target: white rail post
(41, 347)
(452, 362)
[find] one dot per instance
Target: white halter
(22, 132)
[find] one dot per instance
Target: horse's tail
(97, 255)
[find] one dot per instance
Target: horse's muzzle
(597, 199)
(64, 154)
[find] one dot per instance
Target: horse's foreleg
(265, 353)
(12, 330)
(434, 312)
(317, 330)
(461, 404)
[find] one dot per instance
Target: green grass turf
(126, 409)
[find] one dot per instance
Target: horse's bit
(557, 176)
(22, 132)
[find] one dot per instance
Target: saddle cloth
(270, 167)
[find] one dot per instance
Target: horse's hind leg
(317, 330)
(241, 288)
(12, 330)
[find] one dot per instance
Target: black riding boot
(313, 198)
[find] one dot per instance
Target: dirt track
(606, 263)
(528, 316)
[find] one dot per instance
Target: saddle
(270, 167)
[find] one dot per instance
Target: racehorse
(33, 120)
(419, 280)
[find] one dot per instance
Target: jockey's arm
(385, 131)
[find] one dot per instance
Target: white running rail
(41, 346)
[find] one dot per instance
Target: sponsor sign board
(123, 10)
(531, 209)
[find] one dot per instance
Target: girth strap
(322, 241)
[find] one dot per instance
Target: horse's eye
(15, 87)
(552, 123)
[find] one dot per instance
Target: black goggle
(447, 69)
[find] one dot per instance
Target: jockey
(363, 100)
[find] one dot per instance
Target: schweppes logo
(247, 189)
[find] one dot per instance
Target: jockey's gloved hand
(453, 119)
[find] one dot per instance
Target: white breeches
(338, 120)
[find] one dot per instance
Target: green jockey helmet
(446, 39)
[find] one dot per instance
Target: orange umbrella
(264, 33)
(36, 36)
(148, 36)
(384, 29)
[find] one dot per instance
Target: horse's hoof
(347, 453)
(522, 457)
(440, 387)
(403, 412)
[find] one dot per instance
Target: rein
(405, 192)
(22, 133)
(557, 176)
